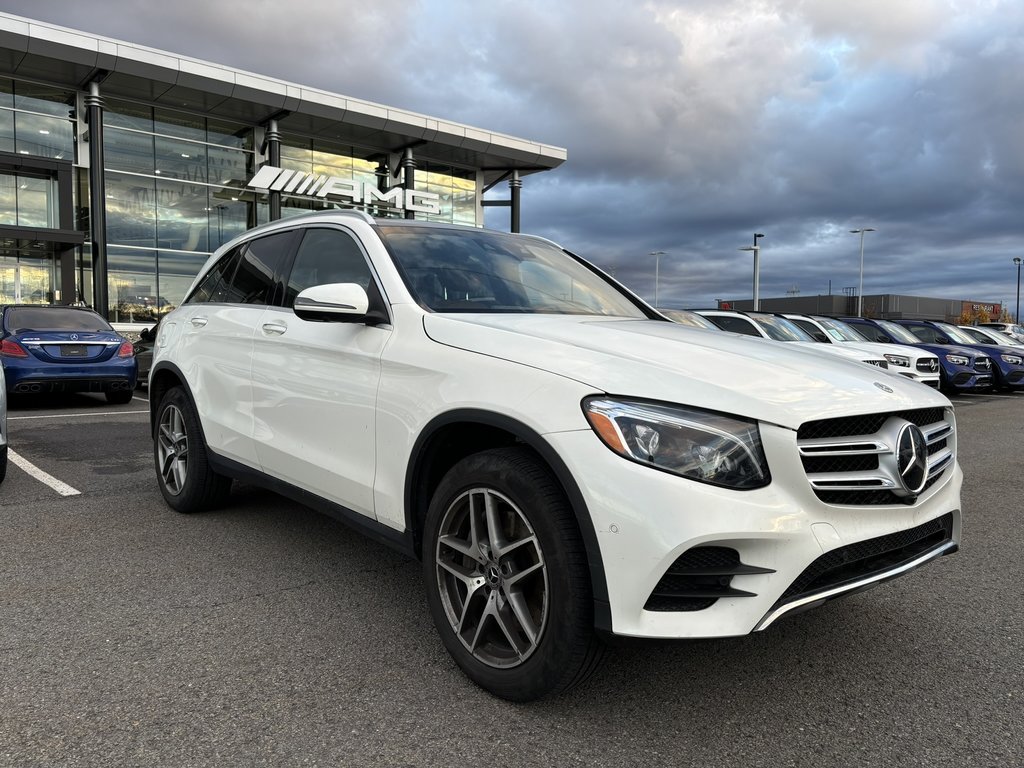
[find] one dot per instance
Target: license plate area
(74, 350)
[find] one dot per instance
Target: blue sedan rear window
(21, 319)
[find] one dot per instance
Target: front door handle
(199, 322)
(274, 329)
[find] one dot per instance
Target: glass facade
(35, 120)
(175, 191)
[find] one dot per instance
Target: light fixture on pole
(657, 258)
(1016, 315)
(860, 290)
(757, 269)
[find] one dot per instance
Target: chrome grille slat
(840, 466)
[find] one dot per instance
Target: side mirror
(333, 302)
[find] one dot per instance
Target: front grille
(864, 559)
(698, 578)
(879, 363)
(928, 365)
(853, 460)
(983, 364)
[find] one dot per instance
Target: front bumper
(646, 520)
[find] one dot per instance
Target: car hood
(779, 383)
(952, 349)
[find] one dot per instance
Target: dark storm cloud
(689, 125)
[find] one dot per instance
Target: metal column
(97, 201)
(515, 184)
(274, 157)
(409, 180)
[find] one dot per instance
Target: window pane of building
(181, 124)
(131, 283)
(128, 151)
(126, 114)
(176, 159)
(131, 210)
(183, 215)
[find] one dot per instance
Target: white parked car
(566, 462)
(765, 325)
(985, 335)
(914, 363)
(1012, 330)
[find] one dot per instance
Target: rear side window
(259, 269)
(926, 334)
(735, 325)
(327, 256)
(213, 286)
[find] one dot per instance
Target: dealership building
(123, 167)
(886, 306)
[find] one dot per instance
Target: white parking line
(77, 415)
(46, 479)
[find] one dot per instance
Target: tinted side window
(327, 256)
(816, 333)
(873, 333)
(735, 325)
(261, 265)
(212, 285)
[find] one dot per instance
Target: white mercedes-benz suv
(567, 463)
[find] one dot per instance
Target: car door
(315, 383)
(221, 318)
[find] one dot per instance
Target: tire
(119, 396)
(183, 471)
(519, 622)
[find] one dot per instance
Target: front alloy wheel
(492, 577)
(507, 576)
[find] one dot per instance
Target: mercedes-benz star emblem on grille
(912, 458)
(933, 364)
(74, 337)
(882, 387)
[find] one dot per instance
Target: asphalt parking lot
(266, 634)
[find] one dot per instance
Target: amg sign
(271, 179)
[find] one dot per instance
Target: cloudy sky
(689, 125)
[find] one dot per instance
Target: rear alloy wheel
(187, 481)
(507, 576)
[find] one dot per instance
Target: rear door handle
(199, 322)
(274, 329)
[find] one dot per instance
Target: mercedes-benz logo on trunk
(912, 458)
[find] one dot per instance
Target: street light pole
(657, 259)
(757, 269)
(860, 290)
(1016, 316)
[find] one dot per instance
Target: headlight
(957, 359)
(706, 446)
(900, 360)
(1011, 359)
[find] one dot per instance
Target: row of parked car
(939, 354)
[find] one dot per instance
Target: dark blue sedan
(64, 349)
(1009, 362)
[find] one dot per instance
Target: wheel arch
(166, 376)
(436, 450)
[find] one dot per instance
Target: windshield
(460, 270)
(22, 319)
(781, 329)
(898, 332)
(839, 330)
(955, 334)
